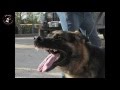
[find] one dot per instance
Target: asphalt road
(27, 60)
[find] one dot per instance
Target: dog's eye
(58, 37)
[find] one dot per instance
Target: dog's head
(61, 46)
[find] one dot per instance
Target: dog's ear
(80, 36)
(77, 32)
(85, 39)
(77, 35)
(82, 31)
(83, 35)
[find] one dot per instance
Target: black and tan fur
(79, 59)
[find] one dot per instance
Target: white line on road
(24, 37)
(30, 69)
(23, 46)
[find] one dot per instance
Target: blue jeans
(71, 21)
(63, 19)
(85, 21)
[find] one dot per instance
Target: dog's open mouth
(55, 56)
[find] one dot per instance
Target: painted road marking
(48, 73)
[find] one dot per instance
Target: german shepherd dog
(73, 53)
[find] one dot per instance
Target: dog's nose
(35, 37)
(40, 38)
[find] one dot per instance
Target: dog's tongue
(47, 62)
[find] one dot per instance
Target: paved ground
(27, 60)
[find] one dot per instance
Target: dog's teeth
(54, 50)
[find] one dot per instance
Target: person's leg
(78, 18)
(74, 20)
(62, 16)
(85, 21)
(91, 30)
(70, 21)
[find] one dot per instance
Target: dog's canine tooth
(54, 50)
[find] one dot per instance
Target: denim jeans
(63, 20)
(71, 21)
(84, 20)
